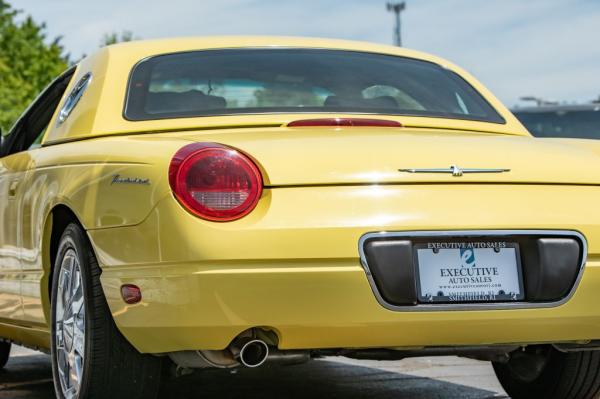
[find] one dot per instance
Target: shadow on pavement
(27, 377)
(31, 377)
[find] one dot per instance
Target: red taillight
(355, 122)
(215, 182)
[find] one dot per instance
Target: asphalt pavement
(28, 375)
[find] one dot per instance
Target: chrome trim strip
(455, 170)
(469, 233)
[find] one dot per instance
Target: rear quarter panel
(81, 176)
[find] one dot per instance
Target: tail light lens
(215, 182)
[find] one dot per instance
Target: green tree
(28, 62)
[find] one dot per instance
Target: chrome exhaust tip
(253, 353)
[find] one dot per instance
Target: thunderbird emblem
(455, 170)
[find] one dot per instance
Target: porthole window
(74, 97)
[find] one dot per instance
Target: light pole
(397, 8)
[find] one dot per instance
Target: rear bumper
(326, 305)
(293, 265)
(331, 305)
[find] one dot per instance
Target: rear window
(253, 81)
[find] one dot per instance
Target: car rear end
(353, 257)
(363, 213)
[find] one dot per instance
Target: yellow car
(225, 202)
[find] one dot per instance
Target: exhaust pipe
(250, 352)
(246, 350)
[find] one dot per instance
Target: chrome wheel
(70, 325)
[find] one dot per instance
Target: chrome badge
(455, 170)
(118, 179)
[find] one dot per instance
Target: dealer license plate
(469, 272)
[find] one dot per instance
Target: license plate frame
(488, 295)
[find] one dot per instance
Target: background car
(561, 120)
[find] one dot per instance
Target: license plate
(469, 272)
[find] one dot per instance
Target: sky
(545, 48)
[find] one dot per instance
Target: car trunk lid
(363, 155)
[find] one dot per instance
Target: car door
(10, 268)
(20, 256)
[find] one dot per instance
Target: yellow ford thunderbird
(230, 202)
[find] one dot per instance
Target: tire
(84, 333)
(544, 372)
(4, 353)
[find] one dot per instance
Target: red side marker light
(131, 293)
(346, 122)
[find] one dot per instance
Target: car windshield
(251, 81)
(572, 124)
